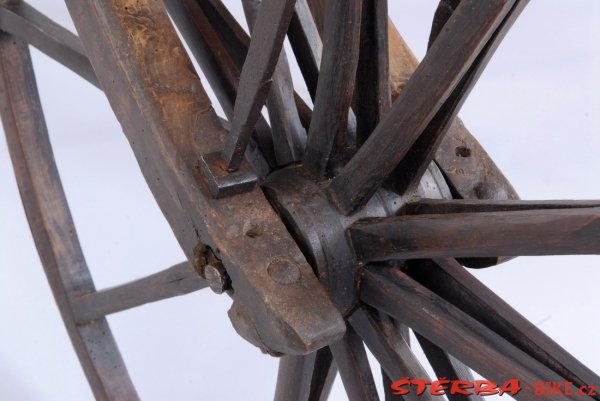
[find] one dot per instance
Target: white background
(536, 110)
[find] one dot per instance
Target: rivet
(283, 271)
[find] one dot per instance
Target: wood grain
(51, 222)
(177, 280)
(393, 292)
(28, 24)
(328, 128)
(169, 121)
(255, 80)
(447, 61)
(515, 233)
(456, 285)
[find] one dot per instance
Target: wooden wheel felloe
(334, 228)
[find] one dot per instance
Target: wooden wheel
(331, 228)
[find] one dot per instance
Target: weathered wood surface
(328, 133)
(169, 121)
(372, 97)
(456, 285)
(474, 176)
(448, 367)
(51, 222)
(306, 45)
(26, 23)
(442, 206)
(393, 292)
(514, 233)
(391, 350)
(220, 45)
(450, 57)
(271, 25)
(351, 359)
(305, 378)
(177, 280)
(409, 171)
(289, 136)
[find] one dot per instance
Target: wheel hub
(319, 227)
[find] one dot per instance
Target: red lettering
(421, 385)
(485, 387)
(556, 388)
(439, 386)
(568, 388)
(538, 388)
(512, 387)
(398, 386)
(459, 386)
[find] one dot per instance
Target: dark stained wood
(393, 292)
(169, 121)
(448, 367)
(411, 168)
(467, 167)
(447, 61)
(51, 222)
(440, 206)
(518, 233)
(217, 47)
(373, 98)
(294, 377)
(328, 129)
(265, 47)
(473, 177)
(455, 284)
(351, 359)
(178, 280)
(305, 378)
(289, 136)
(443, 12)
(31, 26)
(323, 375)
(390, 348)
(306, 45)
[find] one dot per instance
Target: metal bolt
(217, 278)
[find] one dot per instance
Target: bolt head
(217, 278)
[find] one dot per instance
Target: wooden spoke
(328, 128)
(455, 284)
(305, 378)
(351, 359)
(518, 233)
(323, 375)
(218, 54)
(411, 168)
(441, 206)
(58, 43)
(467, 167)
(168, 130)
(270, 28)
(178, 280)
(445, 365)
(389, 347)
(306, 44)
(393, 292)
(443, 12)
(294, 377)
(51, 222)
(446, 63)
(289, 136)
(373, 98)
